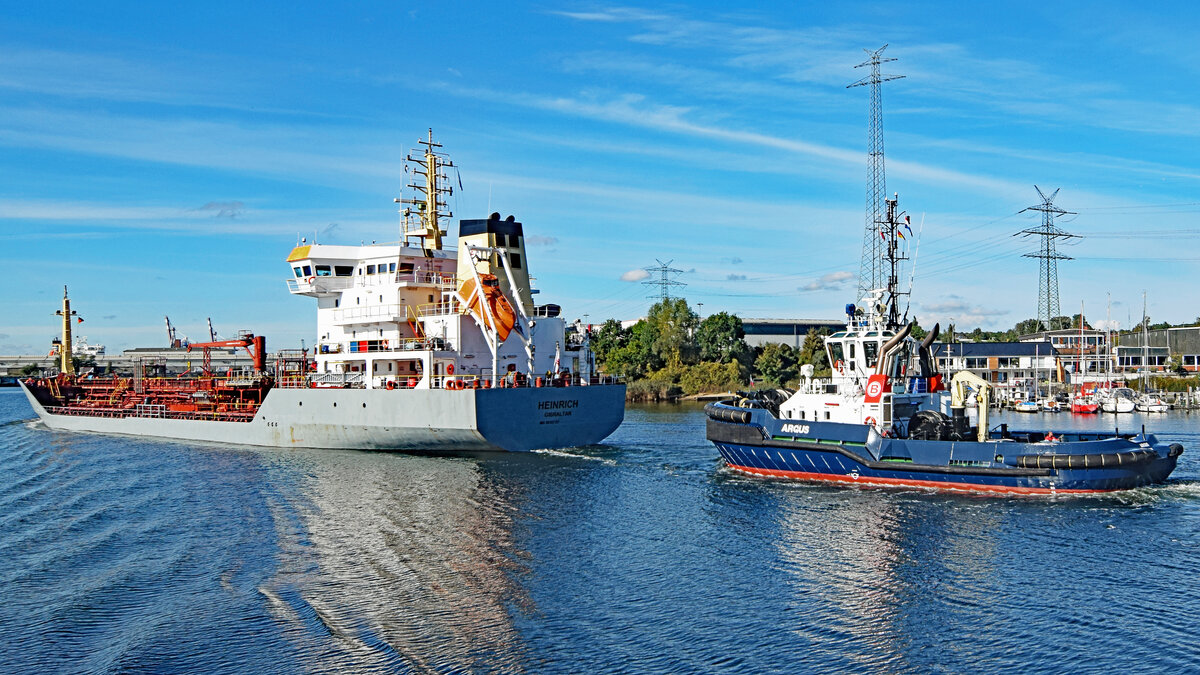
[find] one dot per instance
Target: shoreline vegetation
(673, 354)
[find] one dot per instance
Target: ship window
(514, 259)
(835, 351)
(336, 302)
(370, 269)
(851, 346)
(324, 271)
(826, 413)
(406, 268)
(431, 298)
(307, 271)
(343, 270)
(871, 352)
(358, 301)
(297, 271)
(514, 240)
(391, 267)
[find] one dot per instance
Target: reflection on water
(403, 561)
(644, 555)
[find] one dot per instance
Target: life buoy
(839, 366)
(454, 385)
(870, 420)
(311, 280)
(391, 385)
(449, 368)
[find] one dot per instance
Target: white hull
(378, 419)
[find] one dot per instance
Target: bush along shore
(672, 353)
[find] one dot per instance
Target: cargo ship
(418, 348)
(887, 417)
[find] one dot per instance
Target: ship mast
(422, 213)
(889, 228)
(66, 365)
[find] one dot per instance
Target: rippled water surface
(643, 555)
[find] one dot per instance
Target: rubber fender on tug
(1175, 451)
(722, 414)
(1094, 461)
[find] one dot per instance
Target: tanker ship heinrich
(418, 349)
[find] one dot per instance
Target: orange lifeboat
(503, 316)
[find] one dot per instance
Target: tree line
(673, 351)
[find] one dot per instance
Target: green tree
(720, 338)
(777, 363)
(607, 338)
(674, 325)
(31, 370)
(635, 357)
(1028, 326)
(813, 350)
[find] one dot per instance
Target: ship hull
(762, 445)
(430, 420)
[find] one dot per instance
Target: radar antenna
(423, 212)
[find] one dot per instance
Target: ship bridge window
(835, 352)
(324, 271)
(406, 268)
(298, 271)
(307, 271)
(871, 352)
(514, 240)
(343, 270)
(514, 259)
(370, 269)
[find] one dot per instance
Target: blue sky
(163, 161)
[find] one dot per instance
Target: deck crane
(255, 346)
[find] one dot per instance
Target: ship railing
(336, 380)
(384, 345)
(321, 284)
(450, 306)
(521, 381)
(388, 312)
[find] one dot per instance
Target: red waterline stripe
(910, 482)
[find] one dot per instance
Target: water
(131, 555)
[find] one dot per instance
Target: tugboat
(885, 417)
(418, 349)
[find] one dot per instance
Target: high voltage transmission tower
(664, 281)
(1049, 232)
(871, 273)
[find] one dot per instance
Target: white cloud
(635, 275)
(833, 280)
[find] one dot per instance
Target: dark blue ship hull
(756, 442)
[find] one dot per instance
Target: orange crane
(255, 346)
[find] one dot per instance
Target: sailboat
(1082, 403)
(1147, 402)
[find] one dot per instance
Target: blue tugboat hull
(755, 442)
